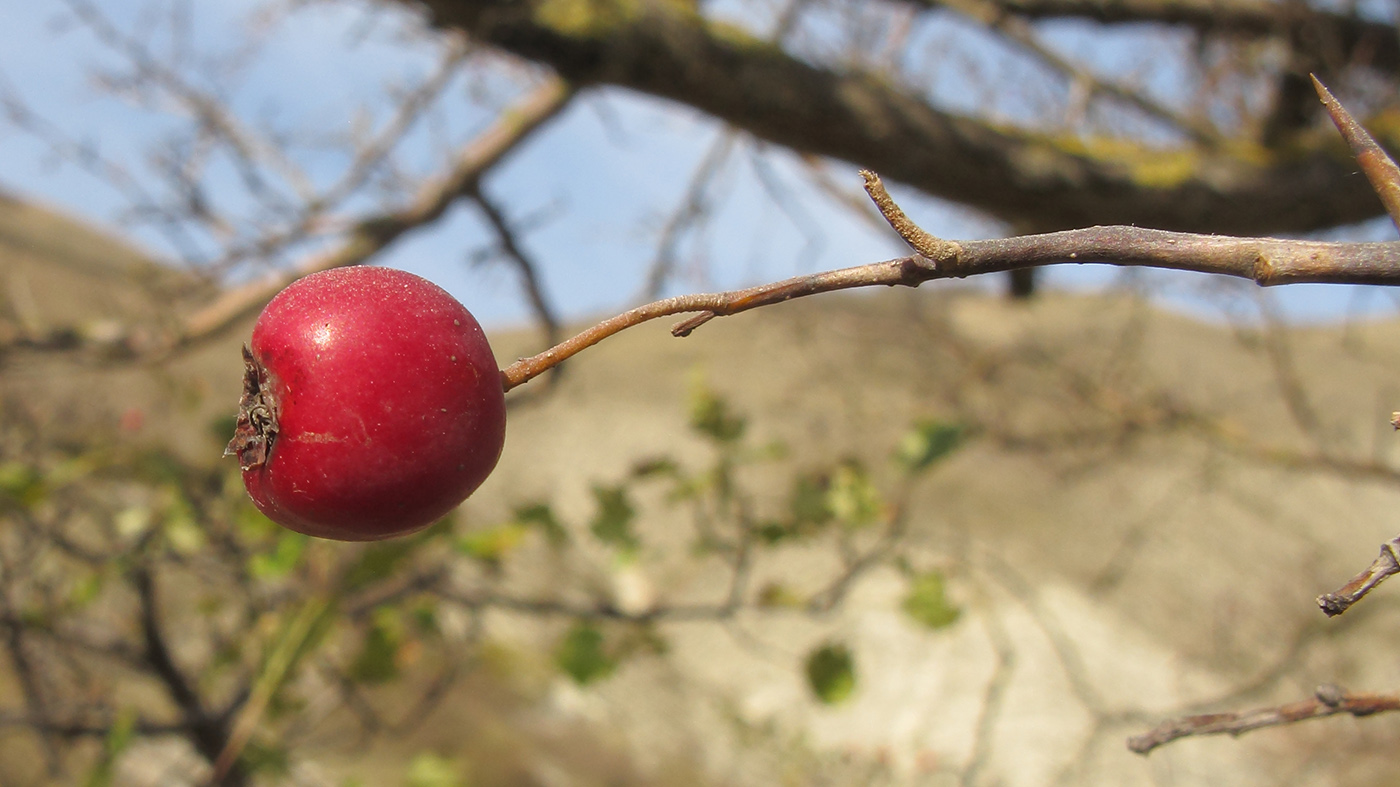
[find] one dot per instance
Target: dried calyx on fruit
(372, 405)
(256, 427)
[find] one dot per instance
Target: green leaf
(773, 532)
(178, 523)
(710, 415)
(581, 655)
(927, 602)
(121, 734)
(492, 545)
(70, 471)
(831, 672)
(22, 483)
(378, 561)
(852, 498)
(541, 517)
(612, 522)
(778, 595)
(281, 560)
(424, 615)
(928, 442)
(663, 466)
(132, 522)
(266, 759)
(377, 661)
(119, 737)
(809, 504)
(85, 589)
(434, 770)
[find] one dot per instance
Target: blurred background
(977, 533)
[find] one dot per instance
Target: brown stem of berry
(908, 271)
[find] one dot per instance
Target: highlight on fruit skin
(372, 405)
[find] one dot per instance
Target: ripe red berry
(372, 405)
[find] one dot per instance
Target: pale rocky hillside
(1136, 530)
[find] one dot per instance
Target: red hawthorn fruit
(372, 405)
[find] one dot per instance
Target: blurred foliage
(101, 534)
(582, 656)
(118, 738)
(927, 602)
(722, 497)
(433, 770)
(831, 673)
(852, 497)
(710, 414)
(927, 443)
(613, 520)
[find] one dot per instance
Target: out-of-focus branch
(87, 729)
(410, 107)
(371, 235)
(693, 209)
(208, 732)
(1015, 28)
(17, 112)
(1252, 18)
(603, 610)
(524, 265)
(1329, 700)
(252, 152)
(1031, 179)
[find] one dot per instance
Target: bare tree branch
(209, 732)
(693, 208)
(1254, 18)
(371, 235)
(1329, 700)
(252, 152)
(525, 266)
(1266, 261)
(1036, 181)
(1015, 28)
(85, 729)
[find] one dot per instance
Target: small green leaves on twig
(944, 253)
(1380, 169)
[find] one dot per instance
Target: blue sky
(601, 179)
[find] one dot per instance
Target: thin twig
(1385, 565)
(940, 251)
(372, 235)
(208, 732)
(524, 265)
(1016, 28)
(694, 208)
(901, 271)
(1265, 261)
(1329, 700)
(601, 610)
